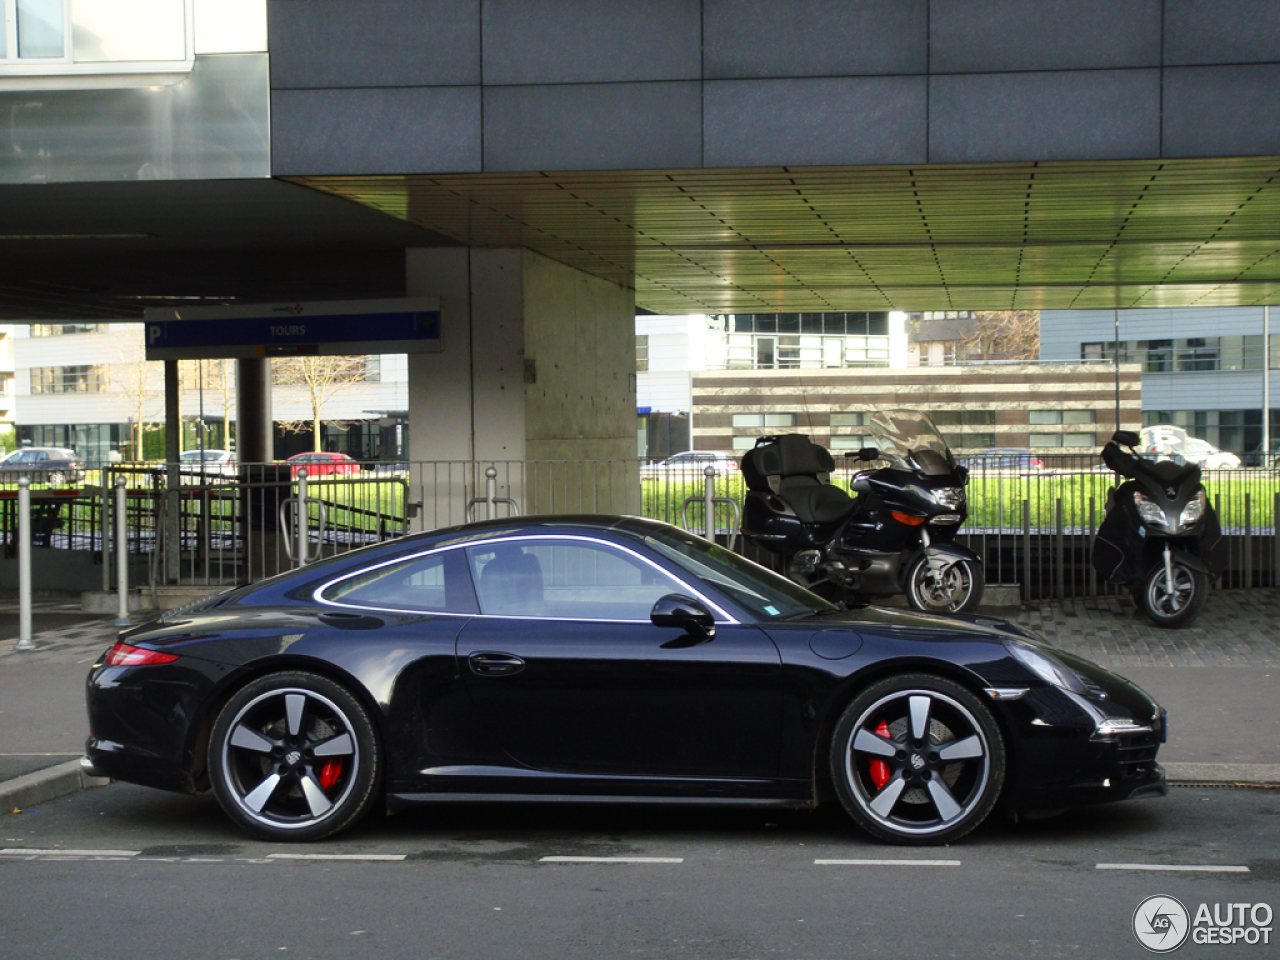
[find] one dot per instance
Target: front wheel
(944, 585)
(1176, 604)
(294, 756)
(917, 759)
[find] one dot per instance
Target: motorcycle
(893, 536)
(1160, 534)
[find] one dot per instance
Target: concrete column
(536, 375)
(580, 389)
(255, 431)
(466, 403)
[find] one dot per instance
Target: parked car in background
(322, 464)
(208, 463)
(56, 466)
(1164, 441)
(689, 466)
(1002, 459)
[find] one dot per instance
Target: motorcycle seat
(796, 469)
(814, 501)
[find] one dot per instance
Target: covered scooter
(1160, 534)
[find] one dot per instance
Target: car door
(570, 675)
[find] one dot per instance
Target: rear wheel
(941, 587)
(1176, 606)
(293, 756)
(57, 479)
(917, 759)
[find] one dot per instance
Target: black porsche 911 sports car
(602, 659)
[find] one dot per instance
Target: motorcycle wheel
(1178, 607)
(958, 589)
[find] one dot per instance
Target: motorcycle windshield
(908, 439)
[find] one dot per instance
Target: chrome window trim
(723, 617)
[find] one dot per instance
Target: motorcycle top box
(894, 535)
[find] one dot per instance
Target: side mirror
(962, 473)
(677, 610)
(1126, 438)
(868, 454)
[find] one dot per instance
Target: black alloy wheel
(293, 756)
(1174, 607)
(939, 587)
(917, 759)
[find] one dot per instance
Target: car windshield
(764, 593)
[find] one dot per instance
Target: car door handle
(494, 664)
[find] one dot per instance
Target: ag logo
(1161, 924)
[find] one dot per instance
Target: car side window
(566, 580)
(435, 583)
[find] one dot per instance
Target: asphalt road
(153, 875)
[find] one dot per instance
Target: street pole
(122, 554)
(1266, 387)
(24, 565)
(1116, 313)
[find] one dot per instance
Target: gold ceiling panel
(994, 236)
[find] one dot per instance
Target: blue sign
(351, 327)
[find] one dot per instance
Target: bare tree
(213, 377)
(1003, 335)
(320, 378)
(142, 384)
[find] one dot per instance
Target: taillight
(125, 655)
(907, 518)
(1038, 464)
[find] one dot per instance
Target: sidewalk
(1219, 680)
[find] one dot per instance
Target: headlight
(1194, 510)
(952, 497)
(1046, 667)
(1148, 510)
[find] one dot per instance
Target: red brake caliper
(330, 773)
(879, 769)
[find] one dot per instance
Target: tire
(1190, 591)
(957, 590)
(293, 756)
(942, 764)
(56, 479)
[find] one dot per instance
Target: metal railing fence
(1033, 526)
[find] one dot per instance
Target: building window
(969, 441)
(764, 419)
(63, 329)
(78, 379)
(68, 37)
(642, 351)
(1045, 439)
(788, 352)
(967, 418)
(848, 419)
(852, 442)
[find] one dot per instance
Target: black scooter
(1160, 534)
(894, 536)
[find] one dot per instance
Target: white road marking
(612, 860)
(886, 863)
(23, 852)
(336, 856)
(1202, 868)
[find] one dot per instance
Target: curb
(1260, 774)
(47, 784)
(66, 778)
